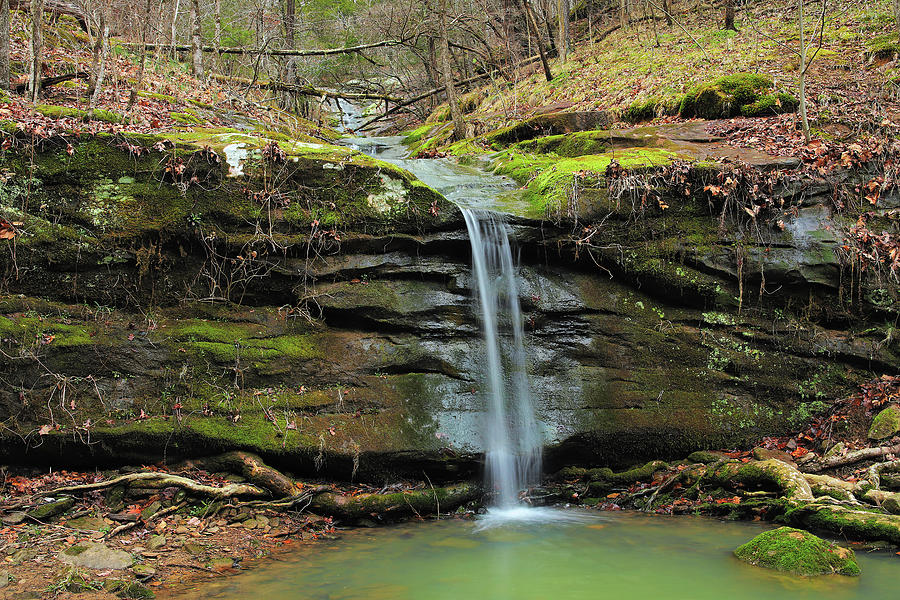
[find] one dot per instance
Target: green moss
(771, 104)
(67, 112)
(551, 181)
(416, 135)
(158, 97)
(186, 118)
(886, 423)
(799, 552)
(883, 47)
(650, 108)
(728, 96)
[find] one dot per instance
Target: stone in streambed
(156, 542)
(96, 556)
(87, 524)
(886, 423)
(766, 454)
(51, 509)
(799, 552)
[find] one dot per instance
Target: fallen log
(438, 90)
(55, 7)
(259, 51)
(282, 86)
(419, 502)
(850, 458)
(49, 81)
(845, 522)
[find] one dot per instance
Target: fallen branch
(281, 86)
(851, 458)
(261, 51)
(164, 480)
(438, 90)
(56, 7)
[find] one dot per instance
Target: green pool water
(606, 555)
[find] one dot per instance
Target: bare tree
(100, 69)
(563, 44)
(4, 44)
(729, 15)
(196, 40)
(132, 98)
(174, 38)
(806, 60)
(37, 49)
(459, 126)
(536, 32)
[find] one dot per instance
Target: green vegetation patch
(747, 94)
(800, 552)
(886, 423)
(67, 112)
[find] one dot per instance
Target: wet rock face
(352, 348)
(387, 377)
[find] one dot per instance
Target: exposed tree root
(252, 468)
(164, 480)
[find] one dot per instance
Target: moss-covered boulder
(799, 552)
(886, 423)
(748, 94)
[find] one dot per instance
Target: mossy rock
(883, 47)
(800, 552)
(732, 95)
(886, 423)
(185, 118)
(67, 112)
(650, 108)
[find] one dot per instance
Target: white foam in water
(528, 515)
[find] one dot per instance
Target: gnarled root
(156, 480)
(252, 468)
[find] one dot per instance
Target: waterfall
(512, 437)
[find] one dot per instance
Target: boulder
(96, 556)
(886, 423)
(800, 552)
(51, 509)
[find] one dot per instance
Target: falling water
(512, 437)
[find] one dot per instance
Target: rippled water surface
(581, 556)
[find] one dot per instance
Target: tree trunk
(174, 39)
(196, 40)
(101, 70)
(532, 22)
(218, 33)
(459, 126)
(729, 15)
(622, 12)
(803, 117)
(563, 45)
(37, 48)
(132, 98)
(668, 10)
(4, 44)
(897, 15)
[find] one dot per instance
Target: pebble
(181, 530)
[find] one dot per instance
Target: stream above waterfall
(615, 555)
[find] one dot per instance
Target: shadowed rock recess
(183, 296)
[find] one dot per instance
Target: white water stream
(512, 434)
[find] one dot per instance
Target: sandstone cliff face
(169, 298)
